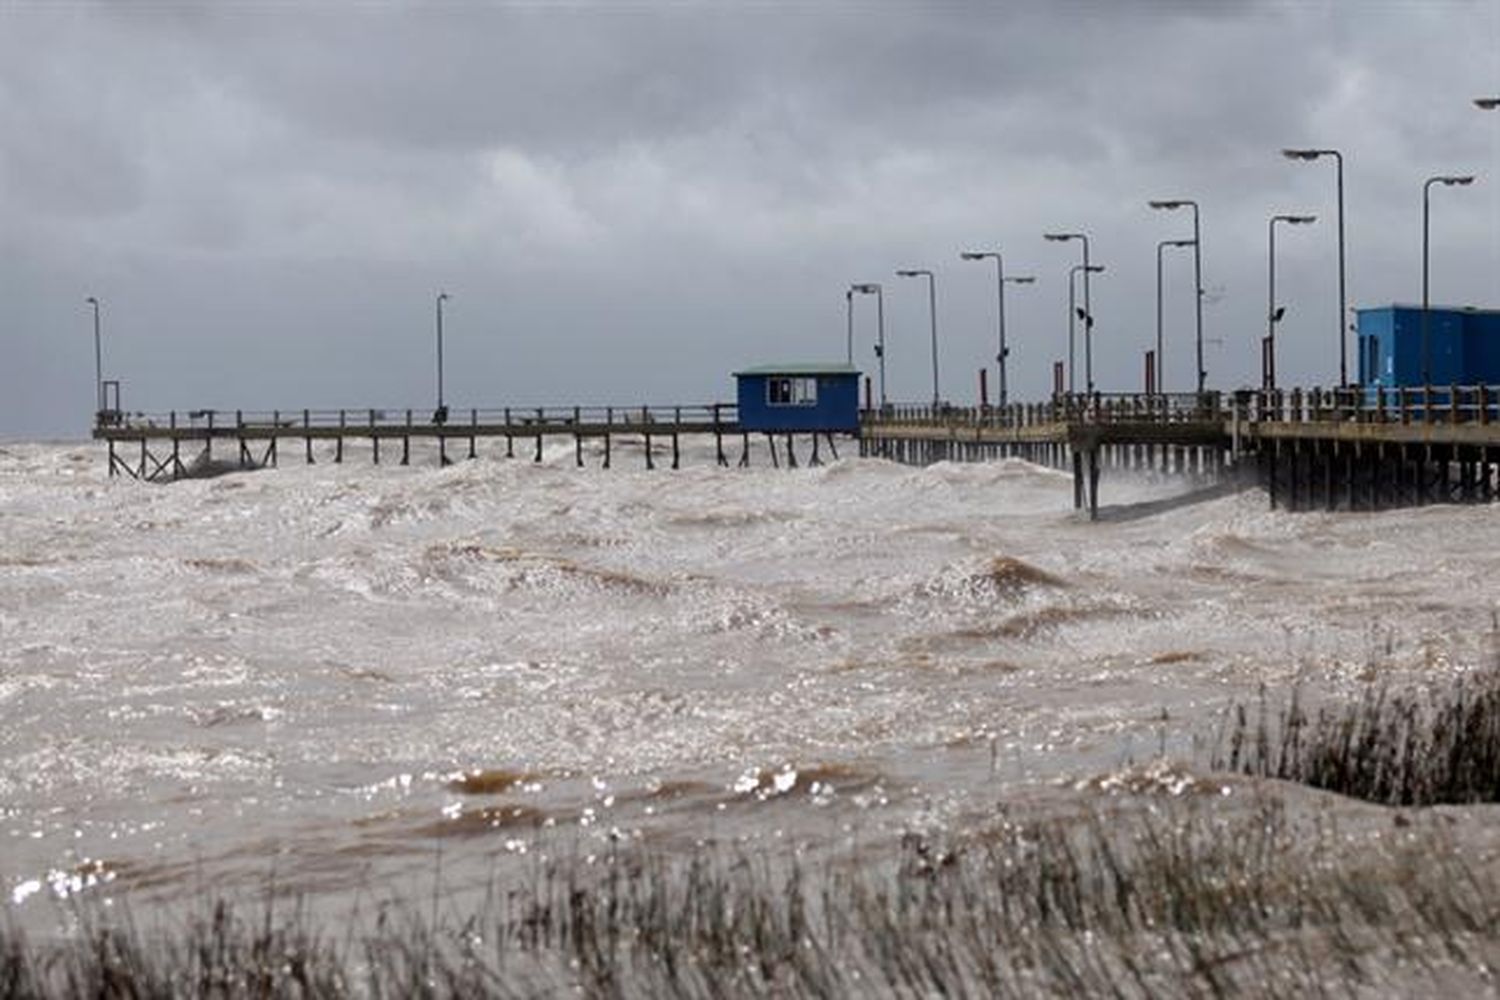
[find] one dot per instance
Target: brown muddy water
(355, 679)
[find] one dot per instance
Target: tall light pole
(1273, 315)
(873, 288)
(1446, 181)
(1088, 325)
(98, 363)
(441, 415)
(1073, 310)
(1338, 159)
(1160, 386)
(1172, 205)
(932, 315)
(849, 321)
(1000, 282)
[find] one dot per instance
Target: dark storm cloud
(628, 200)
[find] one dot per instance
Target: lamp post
(932, 315)
(441, 414)
(1088, 326)
(1338, 159)
(1000, 282)
(1273, 315)
(849, 322)
(872, 288)
(98, 363)
(1162, 245)
(1073, 309)
(1446, 181)
(1172, 205)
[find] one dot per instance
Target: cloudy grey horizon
(628, 201)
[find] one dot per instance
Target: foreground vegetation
(1236, 889)
(1190, 901)
(1394, 747)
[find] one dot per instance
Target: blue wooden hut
(799, 399)
(1463, 346)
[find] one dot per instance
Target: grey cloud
(632, 199)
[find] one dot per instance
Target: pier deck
(1347, 448)
(257, 436)
(1336, 448)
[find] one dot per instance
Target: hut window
(791, 391)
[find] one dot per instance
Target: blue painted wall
(1464, 345)
(836, 409)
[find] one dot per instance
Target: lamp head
(866, 288)
(973, 255)
(1059, 237)
(1302, 154)
(442, 296)
(1487, 103)
(1022, 279)
(1166, 203)
(1095, 268)
(92, 301)
(1181, 243)
(1295, 220)
(1462, 181)
(914, 273)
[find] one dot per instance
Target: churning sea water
(340, 676)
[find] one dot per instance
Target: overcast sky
(628, 200)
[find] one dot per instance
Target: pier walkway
(165, 446)
(1333, 448)
(1337, 449)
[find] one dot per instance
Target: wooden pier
(1358, 448)
(168, 446)
(1337, 449)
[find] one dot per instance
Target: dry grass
(1193, 901)
(1394, 747)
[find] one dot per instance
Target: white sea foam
(289, 662)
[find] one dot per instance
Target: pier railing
(1430, 405)
(1095, 408)
(1451, 404)
(519, 420)
(1434, 405)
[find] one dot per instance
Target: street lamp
(1088, 339)
(849, 321)
(98, 364)
(1273, 314)
(1159, 248)
(932, 315)
(1074, 312)
(441, 414)
(1338, 159)
(1172, 205)
(872, 288)
(1000, 282)
(1446, 181)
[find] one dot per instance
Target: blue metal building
(799, 399)
(1463, 346)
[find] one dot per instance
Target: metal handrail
(1426, 405)
(1433, 405)
(521, 418)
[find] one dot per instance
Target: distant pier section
(167, 446)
